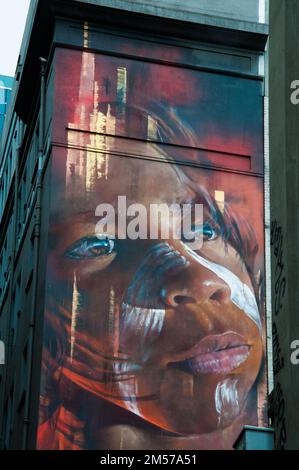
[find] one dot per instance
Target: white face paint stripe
(241, 295)
(149, 320)
(227, 401)
(75, 315)
(129, 390)
(146, 323)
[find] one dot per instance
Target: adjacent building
(120, 335)
(284, 121)
(5, 92)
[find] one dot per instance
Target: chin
(201, 405)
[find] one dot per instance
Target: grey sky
(13, 17)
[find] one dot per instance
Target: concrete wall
(236, 14)
(250, 10)
(284, 170)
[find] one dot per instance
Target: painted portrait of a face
(150, 343)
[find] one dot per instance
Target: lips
(215, 354)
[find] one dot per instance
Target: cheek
(224, 255)
(252, 366)
(59, 268)
(88, 269)
(257, 351)
(62, 268)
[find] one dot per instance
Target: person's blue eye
(207, 231)
(90, 247)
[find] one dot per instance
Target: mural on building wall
(149, 343)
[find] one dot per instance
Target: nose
(195, 285)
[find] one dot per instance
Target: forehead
(145, 177)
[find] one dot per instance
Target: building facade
(284, 121)
(119, 335)
(5, 92)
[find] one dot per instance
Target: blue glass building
(5, 92)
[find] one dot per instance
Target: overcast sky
(13, 15)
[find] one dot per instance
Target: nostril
(174, 298)
(183, 299)
(220, 296)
